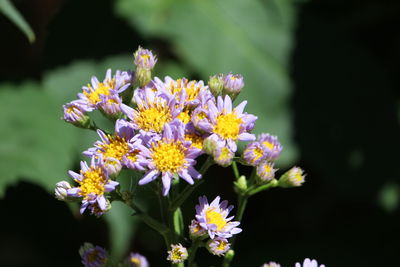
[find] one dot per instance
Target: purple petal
(148, 177)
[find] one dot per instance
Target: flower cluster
(212, 221)
(160, 128)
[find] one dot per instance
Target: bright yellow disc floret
(168, 156)
(228, 126)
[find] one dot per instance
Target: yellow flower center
(184, 116)
(197, 140)
(176, 255)
(93, 182)
(221, 246)
(297, 177)
(225, 154)
(214, 217)
(266, 169)
(168, 156)
(94, 256)
(228, 126)
(145, 58)
(154, 118)
(192, 90)
(132, 156)
(117, 148)
(258, 153)
(102, 89)
(269, 145)
(135, 261)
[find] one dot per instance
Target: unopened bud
(216, 84)
(241, 184)
(61, 189)
(265, 172)
(233, 84)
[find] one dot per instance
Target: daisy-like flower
(110, 105)
(177, 254)
(95, 92)
(144, 58)
(153, 110)
(229, 125)
(213, 218)
(75, 113)
(137, 260)
(93, 184)
(93, 256)
(254, 153)
(309, 263)
(223, 156)
(196, 138)
(271, 146)
(218, 246)
(186, 92)
(271, 264)
(292, 178)
(169, 156)
(233, 84)
(135, 158)
(112, 148)
(265, 171)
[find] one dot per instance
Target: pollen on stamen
(168, 156)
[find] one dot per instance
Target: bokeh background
(322, 75)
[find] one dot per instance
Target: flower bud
(61, 190)
(75, 113)
(223, 156)
(93, 256)
(233, 84)
(137, 260)
(271, 264)
(144, 59)
(218, 246)
(292, 178)
(265, 172)
(177, 254)
(196, 231)
(216, 84)
(241, 184)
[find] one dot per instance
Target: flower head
(309, 263)
(144, 58)
(229, 125)
(254, 153)
(292, 178)
(153, 110)
(177, 254)
(271, 146)
(137, 260)
(61, 191)
(223, 156)
(93, 94)
(233, 84)
(216, 84)
(214, 219)
(171, 155)
(75, 113)
(93, 256)
(93, 184)
(265, 171)
(271, 264)
(218, 246)
(195, 230)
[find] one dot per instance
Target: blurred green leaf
(389, 197)
(251, 37)
(8, 9)
(36, 146)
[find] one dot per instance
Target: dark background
(345, 70)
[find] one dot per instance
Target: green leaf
(8, 9)
(37, 147)
(251, 37)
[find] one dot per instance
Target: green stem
(192, 252)
(190, 188)
(235, 170)
(273, 183)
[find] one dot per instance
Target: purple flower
(153, 110)
(177, 254)
(223, 156)
(195, 230)
(271, 264)
(93, 184)
(213, 218)
(233, 83)
(254, 153)
(137, 260)
(271, 145)
(265, 171)
(93, 93)
(110, 105)
(218, 246)
(75, 112)
(228, 124)
(144, 59)
(93, 256)
(292, 178)
(309, 263)
(112, 148)
(169, 156)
